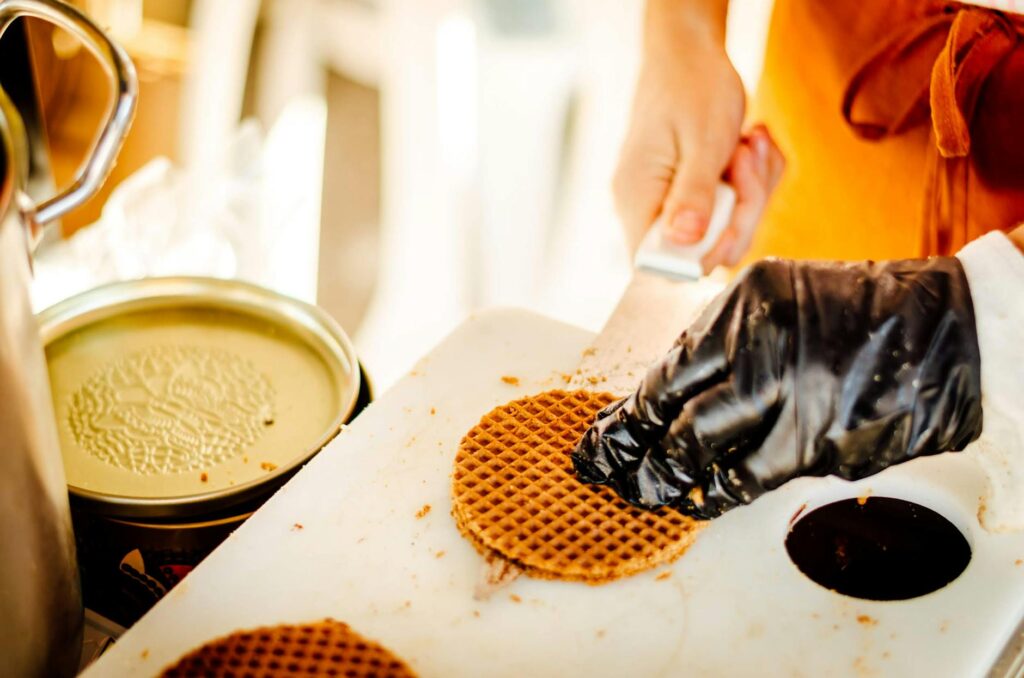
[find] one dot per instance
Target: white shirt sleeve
(995, 273)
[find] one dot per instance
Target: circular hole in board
(878, 548)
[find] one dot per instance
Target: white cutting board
(734, 605)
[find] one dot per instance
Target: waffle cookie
(514, 494)
(326, 648)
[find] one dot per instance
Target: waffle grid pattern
(515, 494)
(327, 648)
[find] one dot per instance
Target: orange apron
(902, 123)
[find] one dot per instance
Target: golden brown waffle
(327, 648)
(514, 494)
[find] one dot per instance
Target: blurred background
(399, 162)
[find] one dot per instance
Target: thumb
(691, 197)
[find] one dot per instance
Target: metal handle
(118, 67)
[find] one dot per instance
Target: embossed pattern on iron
(171, 409)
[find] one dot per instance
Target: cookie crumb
(203, 477)
(589, 352)
(476, 613)
(145, 654)
(423, 511)
(600, 633)
(514, 598)
(439, 554)
(245, 460)
(1018, 562)
(267, 466)
(511, 381)
(297, 526)
(663, 576)
(433, 410)
(866, 620)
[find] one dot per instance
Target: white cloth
(995, 273)
(1012, 6)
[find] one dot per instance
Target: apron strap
(936, 68)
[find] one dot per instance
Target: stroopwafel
(514, 494)
(327, 648)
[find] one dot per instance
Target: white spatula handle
(658, 255)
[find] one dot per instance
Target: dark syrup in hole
(879, 548)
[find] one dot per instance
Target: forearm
(666, 22)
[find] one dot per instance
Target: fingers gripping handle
(658, 255)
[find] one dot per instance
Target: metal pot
(148, 507)
(40, 597)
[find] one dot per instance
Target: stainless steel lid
(181, 396)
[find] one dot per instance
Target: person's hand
(799, 368)
(685, 137)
